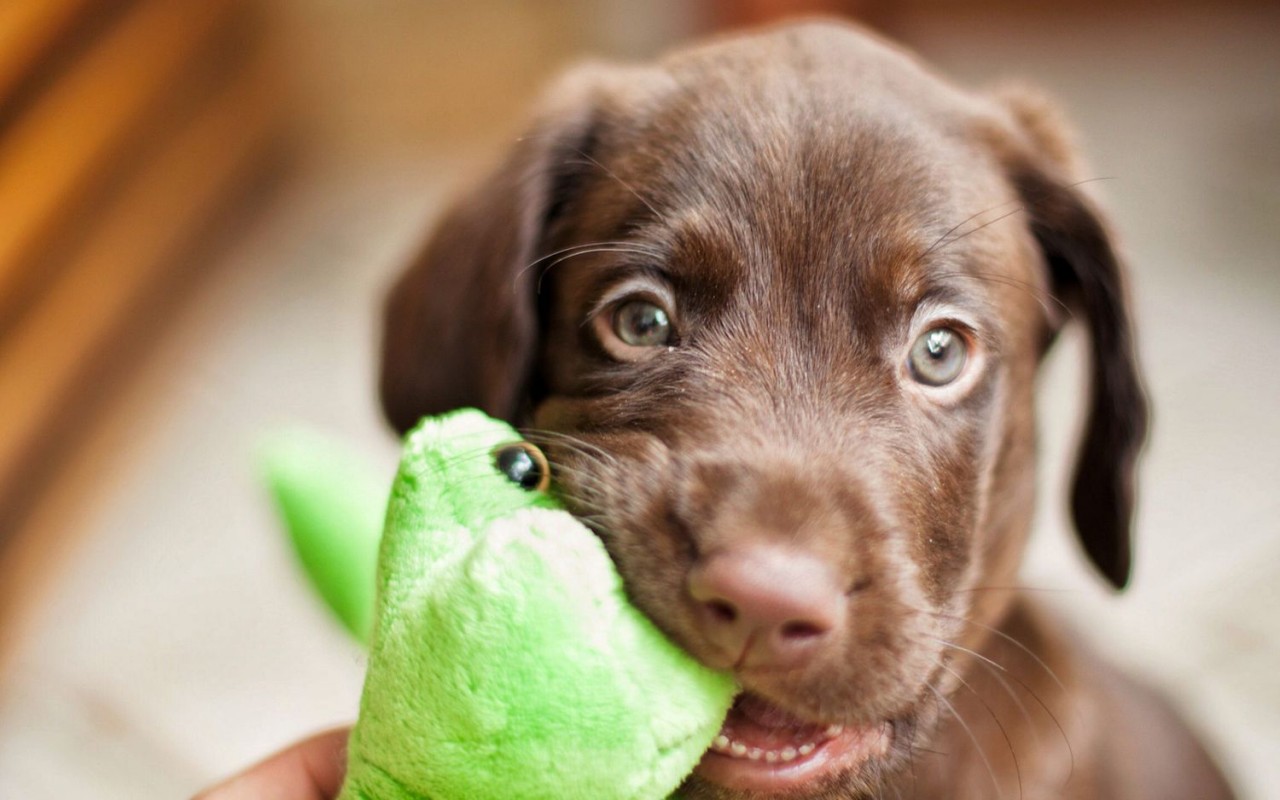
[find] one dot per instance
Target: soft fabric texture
(505, 660)
(333, 505)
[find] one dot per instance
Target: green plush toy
(505, 662)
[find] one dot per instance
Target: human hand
(312, 769)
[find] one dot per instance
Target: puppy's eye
(640, 323)
(524, 465)
(938, 356)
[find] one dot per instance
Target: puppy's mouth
(762, 748)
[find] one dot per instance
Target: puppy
(775, 306)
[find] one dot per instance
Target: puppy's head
(775, 307)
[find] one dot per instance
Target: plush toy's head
(505, 661)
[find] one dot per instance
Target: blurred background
(201, 203)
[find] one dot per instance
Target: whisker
(458, 459)
(911, 760)
(1042, 298)
(1017, 769)
(1000, 672)
(962, 649)
(1057, 724)
(986, 224)
(622, 183)
(957, 226)
(564, 258)
(995, 669)
(977, 746)
(1017, 701)
(1034, 694)
(943, 240)
(576, 443)
(1018, 588)
(1006, 637)
(639, 247)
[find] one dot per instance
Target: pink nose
(767, 606)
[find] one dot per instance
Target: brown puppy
(775, 305)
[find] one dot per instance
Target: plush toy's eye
(524, 465)
(938, 356)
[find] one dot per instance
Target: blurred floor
(178, 642)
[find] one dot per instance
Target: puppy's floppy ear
(460, 325)
(1088, 277)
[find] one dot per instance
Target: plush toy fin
(332, 504)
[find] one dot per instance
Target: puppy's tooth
(788, 754)
(806, 749)
(721, 742)
(834, 730)
(755, 754)
(738, 749)
(771, 757)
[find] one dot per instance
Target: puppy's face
(775, 315)
(796, 337)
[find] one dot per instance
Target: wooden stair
(129, 133)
